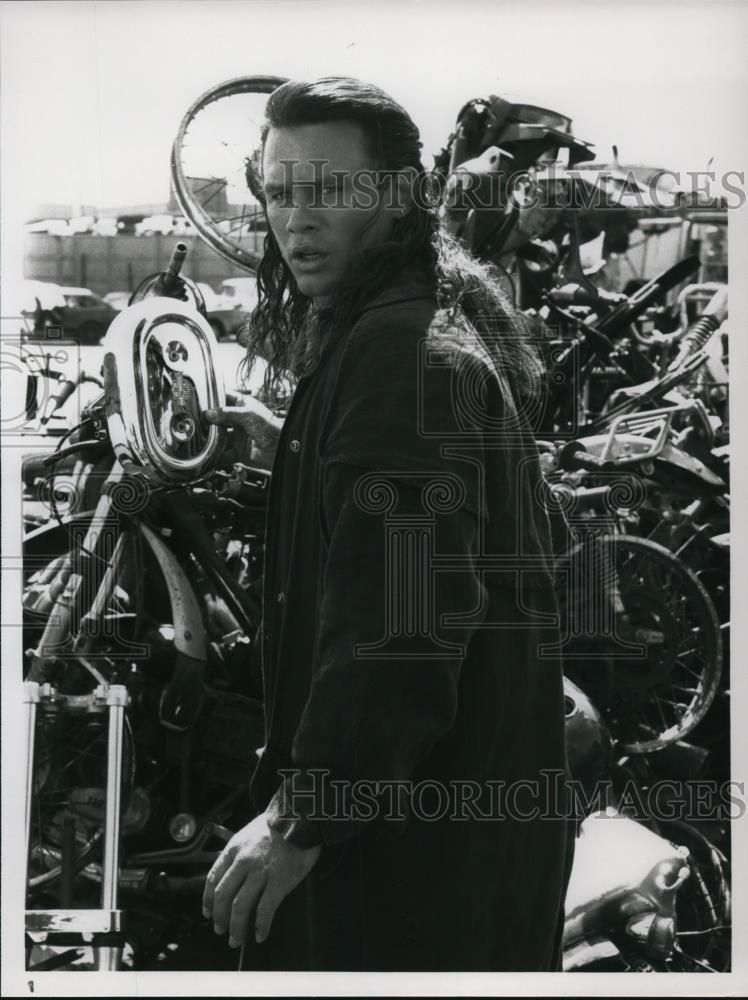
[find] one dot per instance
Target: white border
(719, 18)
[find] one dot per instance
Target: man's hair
(287, 331)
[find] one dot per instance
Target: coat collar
(406, 286)
(409, 284)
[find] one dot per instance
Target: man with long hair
(409, 794)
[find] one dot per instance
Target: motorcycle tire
(234, 238)
(637, 613)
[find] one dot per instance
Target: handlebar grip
(574, 456)
(66, 390)
(176, 260)
(717, 307)
(171, 274)
(576, 295)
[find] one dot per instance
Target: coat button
(281, 597)
(295, 445)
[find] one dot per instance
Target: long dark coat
(409, 625)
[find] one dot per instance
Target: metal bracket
(84, 925)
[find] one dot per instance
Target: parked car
(79, 312)
(107, 226)
(54, 227)
(81, 224)
(212, 301)
(227, 323)
(166, 225)
(229, 310)
(86, 316)
(128, 223)
(182, 227)
(151, 224)
(30, 295)
(239, 293)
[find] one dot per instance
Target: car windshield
(83, 301)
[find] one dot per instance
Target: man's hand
(255, 424)
(257, 868)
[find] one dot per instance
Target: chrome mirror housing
(159, 374)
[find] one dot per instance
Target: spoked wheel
(704, 906)
(215, 167)
(655, 626)
(703, 903)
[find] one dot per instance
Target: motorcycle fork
(75, 578)
(102, 929)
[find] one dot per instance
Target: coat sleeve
(393, 627)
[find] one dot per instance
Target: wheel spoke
(690, 670)
(659, 710)
(687, 690)
(681, 707)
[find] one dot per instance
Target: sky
(92, 93)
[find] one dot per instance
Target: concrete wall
(119, 263)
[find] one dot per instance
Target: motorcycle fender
(182, 698)
(189, 631)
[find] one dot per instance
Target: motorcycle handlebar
(632, 308)
(717, 307)
(574, 456)
(576, 295)
(66, 390)
(176, 260)
(171, 274)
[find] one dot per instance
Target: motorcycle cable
(53, 499)
(53, 474)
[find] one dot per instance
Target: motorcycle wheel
(704, 911)
(651, 621)
(212, 166)
(703, 908)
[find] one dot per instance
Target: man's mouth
(307, 256)
(308, 260)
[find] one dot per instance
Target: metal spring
(700, 333)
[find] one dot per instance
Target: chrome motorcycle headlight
(159, 374)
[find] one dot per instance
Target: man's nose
(301, 219)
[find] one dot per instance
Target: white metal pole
(107, 959)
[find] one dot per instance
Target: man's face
(322, 204)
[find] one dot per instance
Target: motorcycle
(650, 518)
(143, 694)
(651, 472)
